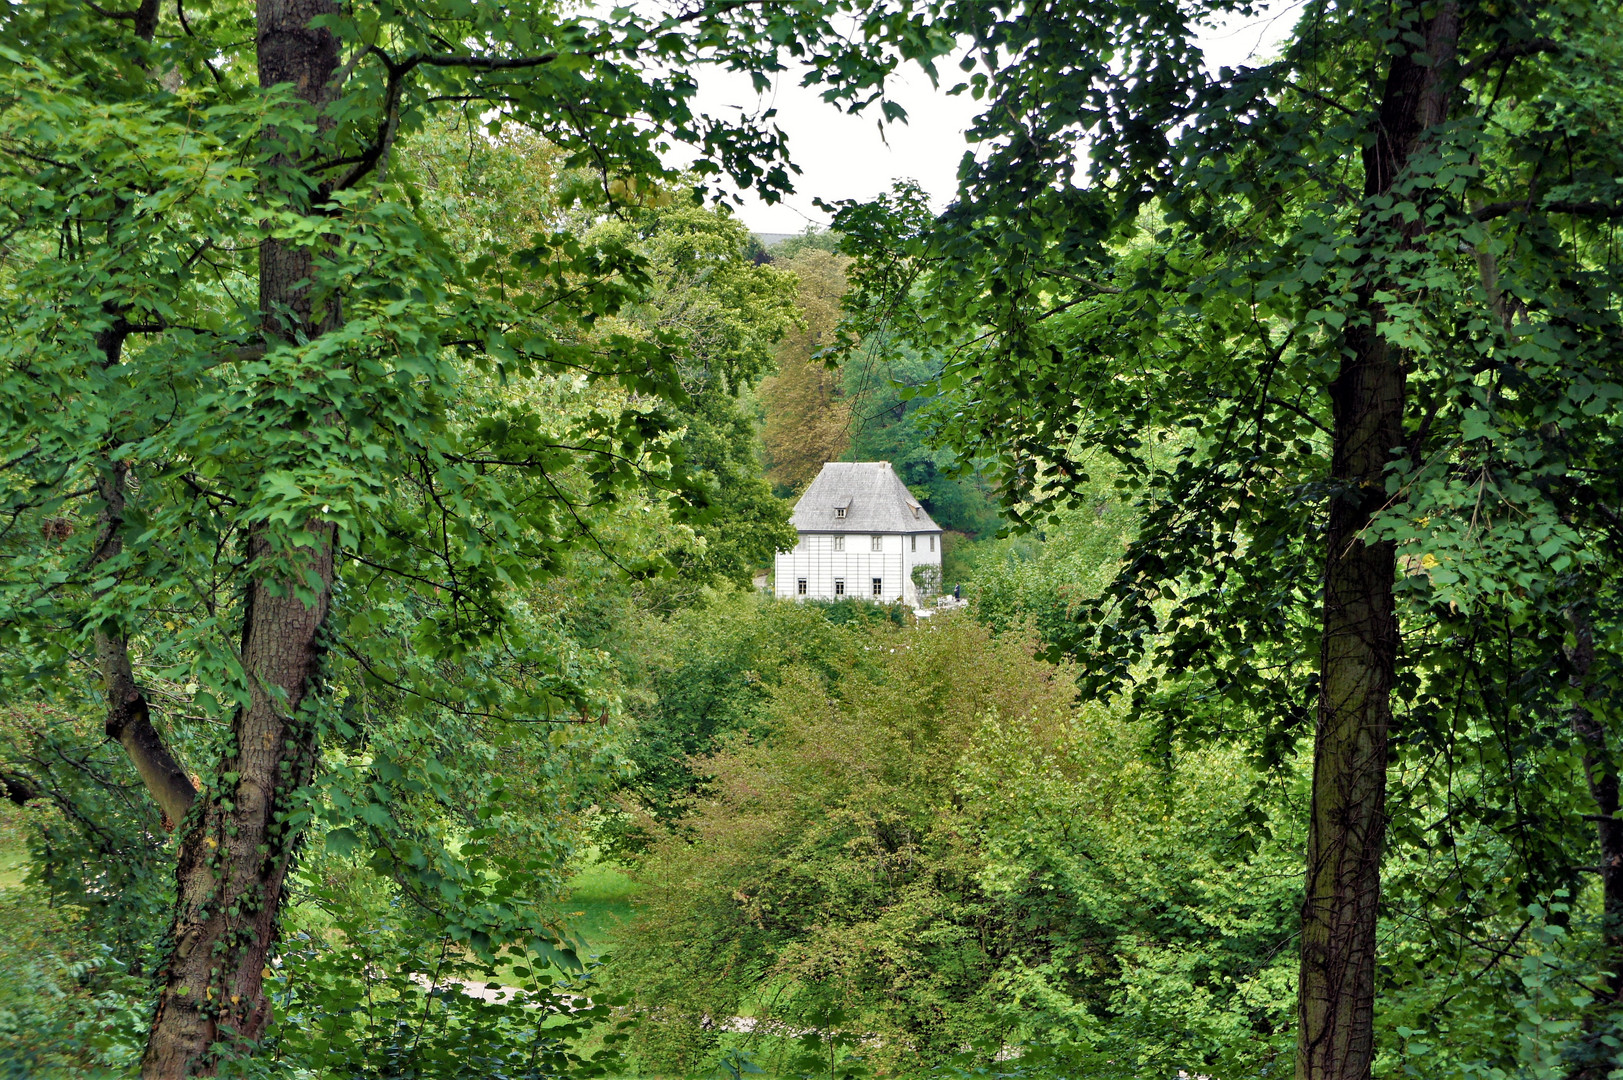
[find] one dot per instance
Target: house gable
(862, 535)
(860, 497)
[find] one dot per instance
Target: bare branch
(483, 63)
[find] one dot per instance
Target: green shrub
(68, 1007)
(944, 847)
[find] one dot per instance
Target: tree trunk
(1358, 656)
(1601, 772)
(235, 857)
(234, 860)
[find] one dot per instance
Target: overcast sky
(846, 157)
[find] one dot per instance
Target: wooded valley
(399, 420)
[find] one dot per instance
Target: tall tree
(1359, 643)
(808, 421)
(1365, 292)
(731, 312)
(234, 857)
(248, 379)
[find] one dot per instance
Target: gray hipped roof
(873, 496)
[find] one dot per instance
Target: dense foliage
(866, 409)
(808, 421)
(1344, 323)
(317, 372)
(393, 431)
(931, 839)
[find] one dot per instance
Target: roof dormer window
(839, 511)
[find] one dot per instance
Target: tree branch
(483, 63)
(144, 17)
(129, 721)
(1559, 206)
(18, 788)
(1509, 52)
(369, 158)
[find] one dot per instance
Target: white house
(861, 534)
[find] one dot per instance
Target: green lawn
(13, 865)
(13, 850)
(598, 904)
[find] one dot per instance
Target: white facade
(862, 534)
(831, 566)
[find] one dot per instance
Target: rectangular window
(878, 586)
(877, 544)
(840, 512)
(800, 586)
(839, 543)
(839, 586)
(915, 543)
(932, 541)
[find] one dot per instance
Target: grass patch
(598, 904)
(13, 846)
(13, 865)
(596, 907)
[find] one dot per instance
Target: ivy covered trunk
(238, 844)
(235, 856)
(1358, 653)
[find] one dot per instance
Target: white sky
(847, 157)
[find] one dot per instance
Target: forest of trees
(395, 414)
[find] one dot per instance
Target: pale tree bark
(1358, 657)
(235, 857)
